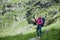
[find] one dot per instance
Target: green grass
(1, 6)
(54, 7)
(54, 25)
(53, 35)
(10, 30)
(19, 37)
(23, 23)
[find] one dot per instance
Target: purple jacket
(39, 21)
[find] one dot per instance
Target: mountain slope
(17, 14)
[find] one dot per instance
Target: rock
(54, 12)
(3, 7)
(19, 4)
(28, 16)
(57, 1)
(30, 2)
(4, 11)
(48, 30)
(34, 38)
(48, 4)
(6, 1)
(38, 3)
(28, 13)
(45, 5)
(50, 21)
(59, 10)
(9, 5)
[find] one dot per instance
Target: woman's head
(39, 17)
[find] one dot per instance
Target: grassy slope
(27, 36)
(25, 23)
(12, 30)
(54, 34)
(19, 37)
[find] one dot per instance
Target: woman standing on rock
(40, 24)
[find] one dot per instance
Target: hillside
(16, 17)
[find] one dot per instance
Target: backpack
(43, 21)
(39, 21)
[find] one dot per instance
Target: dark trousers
(38, 30)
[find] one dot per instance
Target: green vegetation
(1, 6)
(53, 34)
(15, 16)
(19, 37)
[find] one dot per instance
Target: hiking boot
(38, 37)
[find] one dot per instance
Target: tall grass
(19, 37)
(53, 35)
